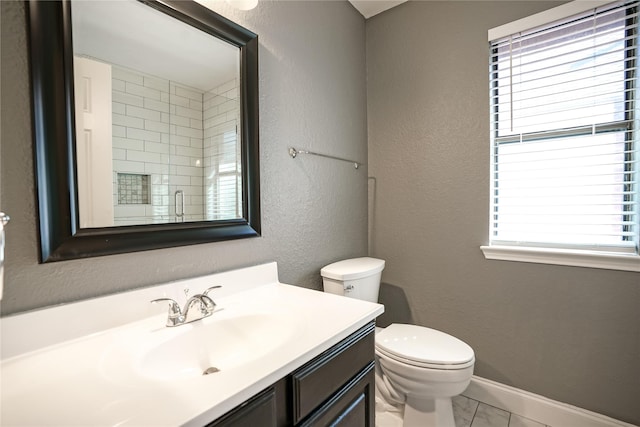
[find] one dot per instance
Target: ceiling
(369, 8)
(111, 32)
(163, 47)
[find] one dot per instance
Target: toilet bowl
(418, 369)
(423, 369)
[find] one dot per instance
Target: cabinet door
(319, 379)
(260, 410)
(352, 406)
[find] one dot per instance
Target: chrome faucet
(177, 317)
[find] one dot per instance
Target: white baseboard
(536, 407)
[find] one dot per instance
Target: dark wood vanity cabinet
(260, 410)
(335, 386)
(334, 389)
(352, 406)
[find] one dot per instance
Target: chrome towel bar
(294, 152)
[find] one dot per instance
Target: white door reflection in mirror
(174, 117)
(92, 80)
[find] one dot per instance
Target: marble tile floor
(468, 413)
(471, 413)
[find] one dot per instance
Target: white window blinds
(564, 125)
(224, 183)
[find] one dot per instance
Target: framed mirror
(145, 126)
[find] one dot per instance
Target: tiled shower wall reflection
(159, 130)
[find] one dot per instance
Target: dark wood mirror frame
(51, 58)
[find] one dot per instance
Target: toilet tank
(354, 278)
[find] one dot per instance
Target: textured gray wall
(314, 211)
(571, 334)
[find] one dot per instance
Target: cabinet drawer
(321, 378)
(260, 410)
(352, 406)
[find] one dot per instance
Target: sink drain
(210, 370)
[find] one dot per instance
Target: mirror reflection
(157, 118)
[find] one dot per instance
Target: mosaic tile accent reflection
(133, 189)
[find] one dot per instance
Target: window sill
(590, 259)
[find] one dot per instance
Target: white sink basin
(88, 366)
(222, 341)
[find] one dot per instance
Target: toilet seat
(423, 347)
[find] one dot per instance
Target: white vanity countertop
(100, 378)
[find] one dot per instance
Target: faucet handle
(175, 314)
(174, 308)
(171, 301)
(206, 299)
(206, 292)
(208, 305)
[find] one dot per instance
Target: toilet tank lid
(351, 269)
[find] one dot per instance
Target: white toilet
(418, 369)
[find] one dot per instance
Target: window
(564, 138)
(224, 188)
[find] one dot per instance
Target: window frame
(551, 253)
